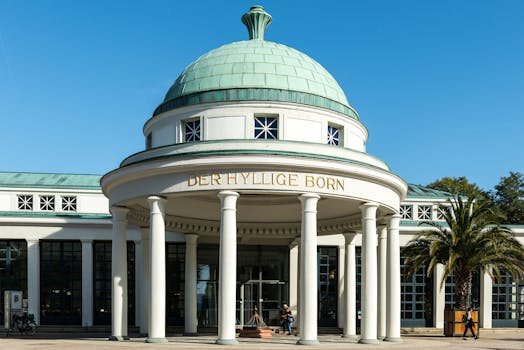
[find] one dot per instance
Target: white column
(87, 282)
(350, 288)
(382, 257)
(308, 271)
(439, 297)
(190, 295)
(486, 300)
(145, 282)
(33, 278)
(157, 255)
(368, 324)
(393, 281)
(227, 268)
(119, 274)
(138, 281)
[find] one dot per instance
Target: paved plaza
(500, 339)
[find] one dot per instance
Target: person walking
(469, 324)
(286, 318)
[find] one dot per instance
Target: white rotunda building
(256, 146)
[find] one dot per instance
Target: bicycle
(24, 323)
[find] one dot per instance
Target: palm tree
(473, 239)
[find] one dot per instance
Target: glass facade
(13, 269)
(175, 274)
(262, 283)
(416, 295)
(61, 282)
(508, 302)
(327, 286)
(102, 282)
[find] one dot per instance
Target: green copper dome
(256, 70)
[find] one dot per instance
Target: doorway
(264, 296)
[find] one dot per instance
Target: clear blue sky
(439, 84)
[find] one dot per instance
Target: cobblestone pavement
(492, 341)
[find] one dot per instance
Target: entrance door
(264, 295)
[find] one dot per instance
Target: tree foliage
(471, 239)
(458, 186)
(509, 197)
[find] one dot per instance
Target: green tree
(458, 186)
(471, 239)
(509, 197)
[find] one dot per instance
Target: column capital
(369, 210)
(393, 220)
(350, 237)
(86, 241)
(119, 213)
(309, 202)
(156, 204)
(228, 199)
(382, 231)
(191, 238)
(32, 240)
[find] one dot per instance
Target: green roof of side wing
(46, 180)
(241, 70)
(417, 191)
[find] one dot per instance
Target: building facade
(254, 189)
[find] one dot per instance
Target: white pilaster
(486, 300)
(33, 279)
(190, 297)
(393, 280)
(119, 274)
(87, 282)
(439, 297)
(382, 257)
(308, 271)
(145, 282)
(157, 255)
(368, 324)
(341, 292)
(293, 278)
(227, 268)
(350, 288)
(138, 281)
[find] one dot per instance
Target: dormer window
(25, 202)
(47, 203)
(192, 130)
(406, 212)
(333, 135)
(266, 128)
(424, 212)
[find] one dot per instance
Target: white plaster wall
(303, 130)
(303, 123)
(5, 202)
(225, 128)
(93, 203)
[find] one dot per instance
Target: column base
(381, 337)
(393, 339)
(118, 337)
(350, 336)
(226, 342)
(307, 342)
(368, 341)
(156, 340)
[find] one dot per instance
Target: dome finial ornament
(256, 21)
